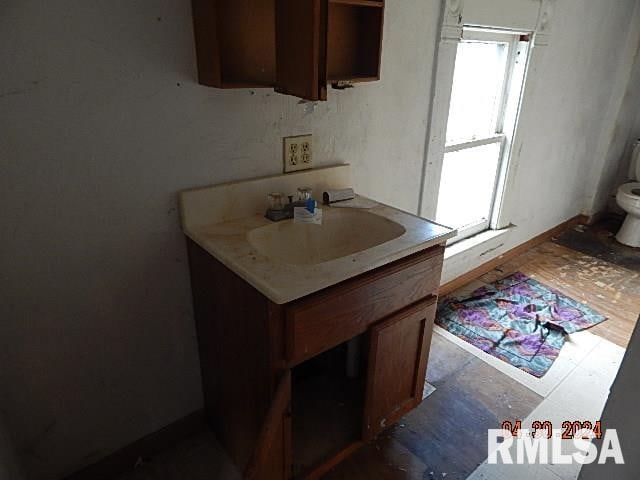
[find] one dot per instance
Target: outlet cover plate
(298, 153)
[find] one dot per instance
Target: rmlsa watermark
(543, 444)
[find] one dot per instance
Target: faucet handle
(304, 193)
(275, 201)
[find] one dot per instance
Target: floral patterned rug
(517, 320)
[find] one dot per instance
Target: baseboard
(462, 280)
(124, 459)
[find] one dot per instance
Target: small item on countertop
(332, 196)
(311, 205)
(275, 201)
(304, 194)
(309, 213)
(303, 215)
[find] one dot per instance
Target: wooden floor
(599, 241)
(430, 442)
(612, 290)
(446, 436)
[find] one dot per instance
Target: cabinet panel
(399, 350)
(354, 40)
(295, 46)
(326, 319)
(300, 48)
(239, 375)
(271, 459)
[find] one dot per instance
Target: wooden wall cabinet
(275, 385)
(398, 357)
(297, 47)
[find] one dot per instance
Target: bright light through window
(472, 172)
(476, 141)
(477, 90)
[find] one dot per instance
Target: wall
(622, 400)
(559, 134)
(616, 171)
(611, 163)
(102, 124)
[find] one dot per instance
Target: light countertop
(281, 282)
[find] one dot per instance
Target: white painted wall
(616, 167)
(512, 14)
(102, 124)
(611, 162)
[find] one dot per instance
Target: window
(487, 85)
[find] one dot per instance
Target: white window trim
(499, 136)
(456, 147)
(453, 20)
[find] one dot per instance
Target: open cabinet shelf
(327, 408)
(296, 47)
(235, 42)
(354, 40)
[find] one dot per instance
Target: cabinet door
(399, 349)
(271, 460)
(301, 42)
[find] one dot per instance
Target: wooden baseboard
(462, 280)
(124, 459)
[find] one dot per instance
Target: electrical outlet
(298, 153)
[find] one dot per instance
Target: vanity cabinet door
(399, 349)
(271, 459)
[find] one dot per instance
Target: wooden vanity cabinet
(259, 361)
(398, 354)
(298, 47)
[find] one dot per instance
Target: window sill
(471, 242)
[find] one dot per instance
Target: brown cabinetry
(277, 392)
(271, 458)
(398, 356)
(297, 47)
(235, 42)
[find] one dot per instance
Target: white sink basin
(344, 231)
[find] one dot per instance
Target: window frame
(500, 136)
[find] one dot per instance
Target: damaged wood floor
(432, 441)
(445, 437)
(612, 290)
(428, 443)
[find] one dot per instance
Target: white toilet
(628, 198)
